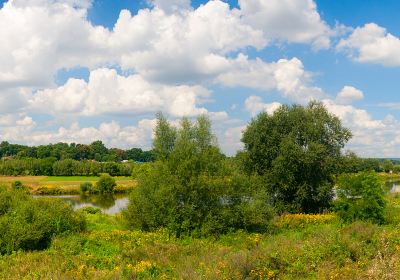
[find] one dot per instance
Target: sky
(83, 70)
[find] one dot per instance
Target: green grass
(296, 247)
(305, 251)
(63, 184)
(79, 178)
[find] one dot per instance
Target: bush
(17, 185)
(360, 197)
(30, 224)
(86, 187)
(106, 184)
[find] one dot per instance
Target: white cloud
(106, 92)
(40, 39)
(372, 44)
(348, 95)
(254, 105)
(183, 47)
(286, 76)
(171, 47)
(111, 133)
(295, 21)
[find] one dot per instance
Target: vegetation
(60, 151)
(306, 247)
(105, 184)
(297, 150)
(68, 167)
(360, 197)
(55, 185)
(196, 214)
(190, 190)
(30, 224)
(86, 187)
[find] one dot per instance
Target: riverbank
(63, 185)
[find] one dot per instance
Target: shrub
(106, 184)
(360, 197)
(30, 224)
(90, 210)
(17, 185)
(86, 187)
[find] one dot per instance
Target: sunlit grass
(63, 184)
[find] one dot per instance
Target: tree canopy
(297, 150)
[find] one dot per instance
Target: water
(109, 204)
(393, 186)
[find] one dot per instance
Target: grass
(80, 179)
(317, 247)
(62, 184)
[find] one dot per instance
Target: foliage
(298, 151)
(67, 167)
(95, 151)
(360, 197)
(191, 189)
(86, 187)
(290, 221)
(105, 184)
(30, 224)
(316, 251)
(18, 186)
(142, 169)
(387, 166)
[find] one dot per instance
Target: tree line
(67, 167)
(94, 151)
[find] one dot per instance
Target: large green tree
(297, 150)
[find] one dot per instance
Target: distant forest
(95, 151)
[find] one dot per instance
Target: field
(297, 247)
(62, 184)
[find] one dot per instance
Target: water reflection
(393, 186)
(108, 203)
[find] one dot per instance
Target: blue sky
(81, 70)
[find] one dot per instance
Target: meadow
(63, 184)
(297, 246)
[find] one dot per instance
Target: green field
(63, 184)
(79, 179)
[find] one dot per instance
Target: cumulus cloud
(372, 44)
(106, 92)
(41, 39)
(348, 95)
(295, 21)
(286, 76)
(111, 133)
(159, 43)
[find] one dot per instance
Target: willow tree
(189, 190)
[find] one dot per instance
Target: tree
(165, 137)
(387, 166)
(360, 197)
(298, 151)
(190, 189)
